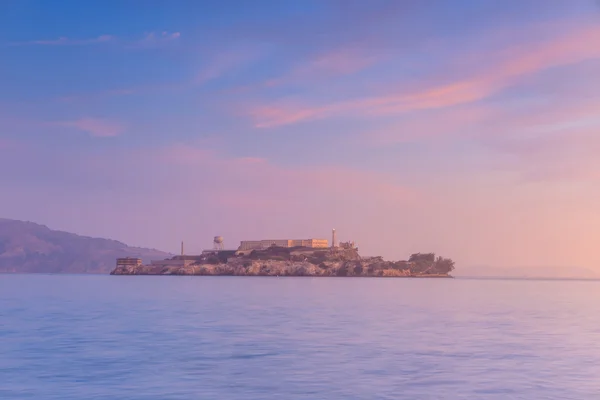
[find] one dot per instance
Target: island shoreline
(299, 261)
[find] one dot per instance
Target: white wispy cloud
(152, 39)
(148, 40)
(65, 41)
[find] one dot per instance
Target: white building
(264, 244)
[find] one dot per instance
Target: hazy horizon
(468, 271)
(465, 128)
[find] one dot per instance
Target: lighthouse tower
(333, 238)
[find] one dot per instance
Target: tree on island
(428, 263)
(444, 265)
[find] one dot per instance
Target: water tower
(218, 243)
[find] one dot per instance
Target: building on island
(246, 245)
(174, 262)
(129, 261)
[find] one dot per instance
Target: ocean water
(134, 337)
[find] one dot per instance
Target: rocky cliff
(290, 262)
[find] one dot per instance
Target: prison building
(129, 261)
(264, 244)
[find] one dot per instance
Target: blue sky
(469, 128)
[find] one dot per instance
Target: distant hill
(28, 247)
(527, 272)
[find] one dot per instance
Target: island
(276, 260)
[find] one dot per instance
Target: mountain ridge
(29, 247)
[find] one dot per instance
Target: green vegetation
(428, 263)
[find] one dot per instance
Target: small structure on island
(348, 245)
(340, 246)
(218, 247)
(129, 261)
(218, 243)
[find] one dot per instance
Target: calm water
(103, 337)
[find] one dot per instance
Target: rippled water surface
(133, 337)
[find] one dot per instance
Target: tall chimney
(333, 238)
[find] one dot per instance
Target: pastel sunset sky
(468, 127)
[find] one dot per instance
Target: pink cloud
(511, 65)
(251, 160)
(484, 122)
(95, 127)
(558, 142)
(554, 115)
(430, 124)
(576, 143)
(563, 159)
(226, 62)
(259, 179)
(548, 141)
(344, 61)
(269, 116)
(185, 155)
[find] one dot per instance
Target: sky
(467, 128)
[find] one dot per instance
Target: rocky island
(291, 261)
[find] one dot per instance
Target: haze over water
(106, 337)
